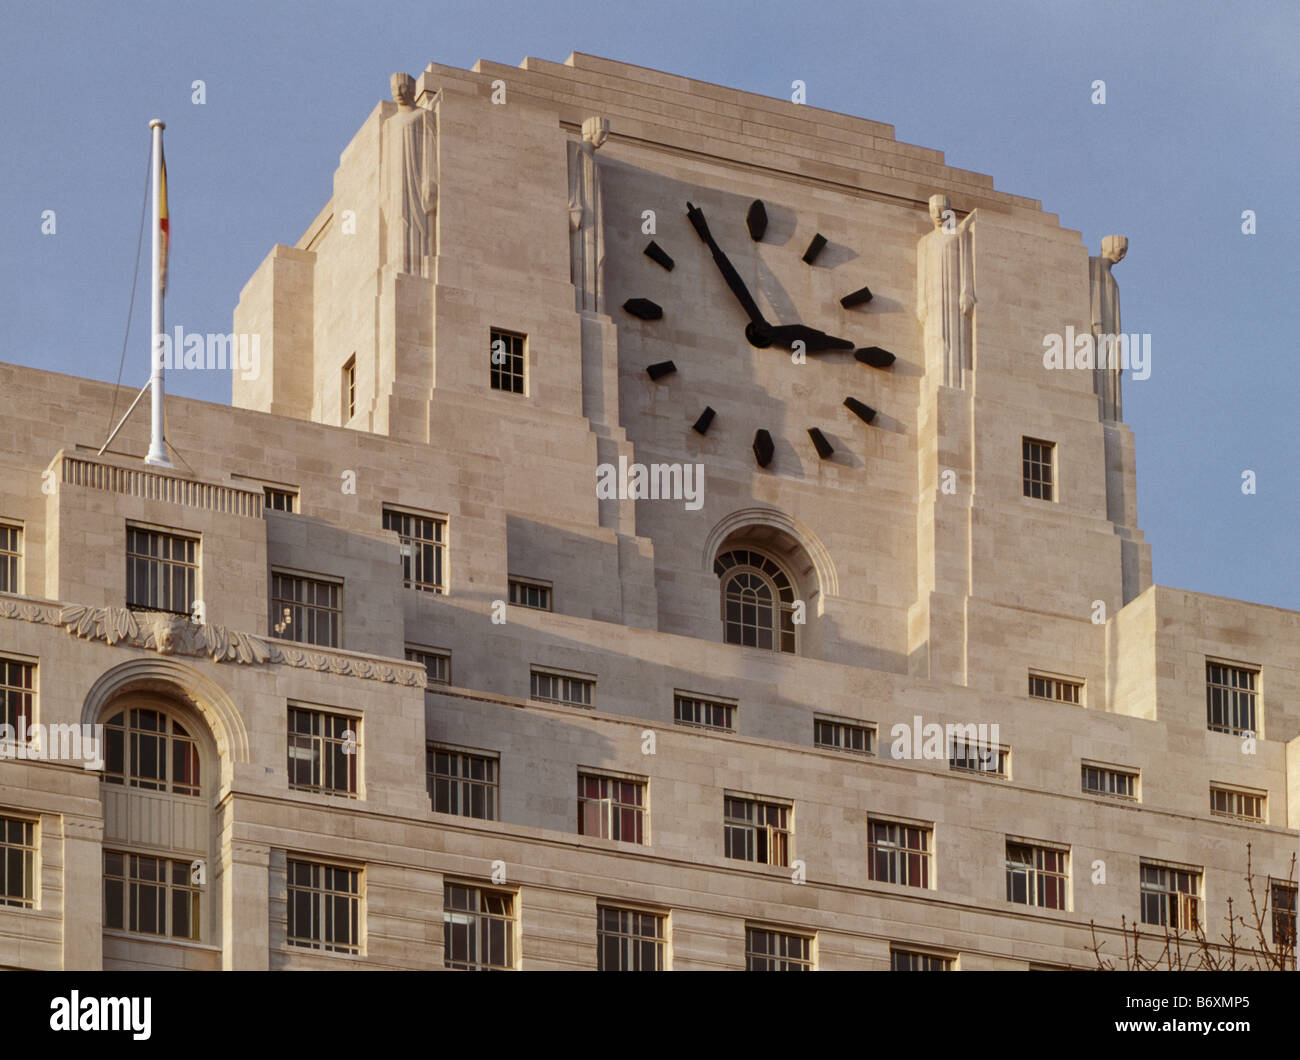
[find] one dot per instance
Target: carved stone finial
(939, 205)
(403, 88)
(595, 131)
(1113, 248)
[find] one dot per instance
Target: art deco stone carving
(586, 218)
(170, 634)
(410, 189)
(1106, 327)
(945, 293)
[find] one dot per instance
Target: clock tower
(843, 333)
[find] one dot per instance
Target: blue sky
(1200, 124)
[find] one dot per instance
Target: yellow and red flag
(162, 224)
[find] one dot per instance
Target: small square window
(306, 609)
(756, 830)
(1109, 780)
(463, 782)
(844, 735)
(770, 950)
(276, 499)
(323, 752)
(629, 940)
(533, 594)
(1039, 459)
(436, 663)
(506, 359)
(162, 570)
(1232, 698)
(612, 808)
(562, 688)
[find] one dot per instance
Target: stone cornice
(169, 634)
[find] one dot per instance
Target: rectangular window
(703, 713)
(150, 896)
(507, 361)
(423, 546)
(753, 830)
(1170, 897)
(17, 691)
(17, 863)
(1108, 780)
(898, 853)
(1243, 805)
(1036, 875)
(628, 940)
(562, 688)
(912, 961)
(1058, 689)
(612, 808)
(323, 752)
(11, 553)
(844, 735)
(971, 757)
(161, 570)
(324, 907)
(462, 783)
(536, 595)
(1230, 697)
(279, 500)
(349, 390)
(436, 663)
(478, 928)
(306, 609)
(1284, 912)
(1039, 458)
(768, 950)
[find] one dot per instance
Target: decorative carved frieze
(170, 634)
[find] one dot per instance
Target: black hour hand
(814, 341)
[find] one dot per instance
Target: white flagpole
(157, 447)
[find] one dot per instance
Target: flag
(162, 224)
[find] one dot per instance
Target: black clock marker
(764, 449)
(874, 356)
(702, 424)
(824, 448)
(658, 255)
(643, 309)
(863, 412)
(663, 368)
(859, 297)
(756, 220)
(814, 248)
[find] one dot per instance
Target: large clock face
(799, 341)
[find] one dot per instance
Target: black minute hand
(729, 273)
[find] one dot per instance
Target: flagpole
(157, 446)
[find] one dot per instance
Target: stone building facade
(403, 666)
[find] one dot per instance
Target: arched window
(156, 824)
(150, 750)
(757, 601)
